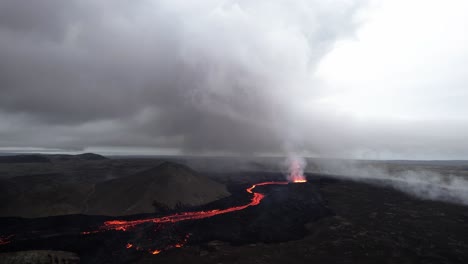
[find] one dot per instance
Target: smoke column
(296, 167)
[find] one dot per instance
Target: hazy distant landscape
(37, 185)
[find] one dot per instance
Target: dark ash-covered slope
(168, 184)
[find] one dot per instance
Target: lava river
(126, 225)
(123, 225)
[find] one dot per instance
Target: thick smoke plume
(422, 183)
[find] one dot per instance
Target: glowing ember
(89, 232)
(129, 245)
(178, 245)
(299, 181)
(5, 240)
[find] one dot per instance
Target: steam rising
(296, 166)
(423, 184)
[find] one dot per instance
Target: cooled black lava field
(279, 217)
(324, 220)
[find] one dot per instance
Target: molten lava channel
(300, 181)
(123, 225)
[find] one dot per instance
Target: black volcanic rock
(91, 156)
(27, 158)
(169, 184)
(39, 256)
(369, 224)
(84, 156)
(281, 216)
(41, 195)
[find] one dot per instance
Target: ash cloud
(204, 76)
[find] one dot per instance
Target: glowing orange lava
(296, 171)
(5, 240)
(299, 181)
(124, 225)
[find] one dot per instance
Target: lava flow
(123, 225)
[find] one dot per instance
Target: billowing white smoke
(420, 183)
(296, 166)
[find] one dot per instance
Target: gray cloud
(215, 75)
(210, 76)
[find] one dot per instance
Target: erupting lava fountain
(296, 170)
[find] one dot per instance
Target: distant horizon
(142, 155)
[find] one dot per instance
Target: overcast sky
(362, 79)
